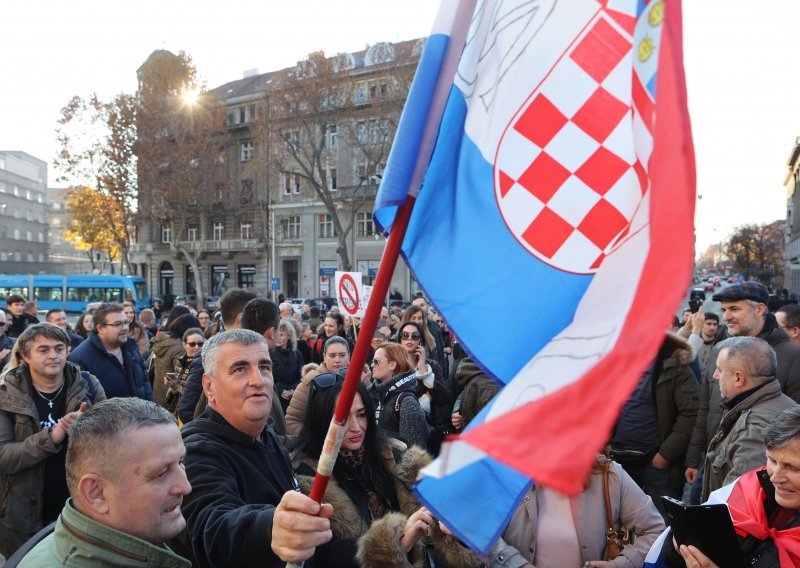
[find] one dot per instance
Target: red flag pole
(333, 440)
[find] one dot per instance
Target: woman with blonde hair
(287, 362)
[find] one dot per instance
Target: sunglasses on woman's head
(413, 335)
(327, 380)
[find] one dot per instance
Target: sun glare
(190, 97)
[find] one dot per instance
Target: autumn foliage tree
(757, 250)
(97, 150)
(84, 206)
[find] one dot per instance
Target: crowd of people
(192, 438)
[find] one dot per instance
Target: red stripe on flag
(643, 102)
(564, 430)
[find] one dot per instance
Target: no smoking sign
(348, 292)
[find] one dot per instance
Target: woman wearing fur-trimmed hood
(370, 488)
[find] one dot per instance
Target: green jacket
(78, 541)
(24, 448)
(677, 399)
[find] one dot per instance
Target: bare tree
(180, 149)
(757, 250)
(327, 133)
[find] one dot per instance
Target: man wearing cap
(744, 312)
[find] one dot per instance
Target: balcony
(140, 251)
(792, 252)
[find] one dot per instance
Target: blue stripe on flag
(405, 147)
(459, 248)
(478, 495)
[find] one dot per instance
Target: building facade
(23, 214)
(299, 165)
(792, 249)
(62, 252)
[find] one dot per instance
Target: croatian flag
(547, 145)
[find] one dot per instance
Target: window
(326, 227)
(362, 92)
(16, 191)
(28, 235)
(29, 257)
(219, 193)
(219, 231)
(361, 172)
(241, 114)
(291, 183)
(245, 231)
(28, 194)
(332, 179)
(56, 206)
(2, 186)
(291, 140)
(39, 198)
(16, 234)
(246, 150)
(365, 227)
(361, 132)
(290, 227)
(16, 212)
(166, 234)
(192, 233)
(29, 215)
(246, 192)
(41, 257)
(41, 237)
(332, 135)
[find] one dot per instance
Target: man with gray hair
(125, 497)
(751, 398)
(286, 310)
(245, 508)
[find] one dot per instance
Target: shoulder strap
(91, 392)
(400, 398)
(607, 498)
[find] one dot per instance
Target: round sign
(349, 294)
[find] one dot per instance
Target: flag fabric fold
(561, 185)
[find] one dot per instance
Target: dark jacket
(192, 389)
(709, 412)
(6, 343)
(130, 380)
(286, 367)
(398, 410)
(74, 340)
(478, 389)
(18, 324)
(24, 448)
(237, 481)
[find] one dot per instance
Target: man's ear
(270, 335)
(208, 388)
(91, 488)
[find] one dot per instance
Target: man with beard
(113, 357)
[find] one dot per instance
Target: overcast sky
(739, 62)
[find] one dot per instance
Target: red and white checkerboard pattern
(568, 175)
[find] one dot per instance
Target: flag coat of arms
(560, 182)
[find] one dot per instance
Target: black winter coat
(237, 481)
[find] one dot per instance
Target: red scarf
(746, 505)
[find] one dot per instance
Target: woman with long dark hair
(370, 485)
(332, 326)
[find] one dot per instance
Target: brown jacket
(296, 411)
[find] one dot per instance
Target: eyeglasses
(374, 362)
(413, 335)
(195, 343)
(327, 380)
(117, 324)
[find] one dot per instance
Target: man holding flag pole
(549, 144)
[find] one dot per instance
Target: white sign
(365, 296)
(348, 293)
